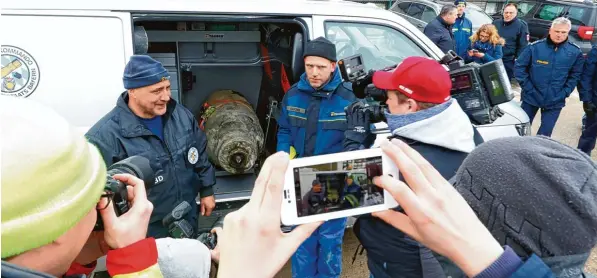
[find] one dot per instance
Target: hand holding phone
(325, 187)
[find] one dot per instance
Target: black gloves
(589, 108)
(358, 132)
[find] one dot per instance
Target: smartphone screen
(337, 186)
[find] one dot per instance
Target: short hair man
(313, 122)
(587, 89)
(462, 30)
(439, 30)
(548, 70)
(147, 122)
(51, 192)
(422, 113)
(516, 33)
(537, 196)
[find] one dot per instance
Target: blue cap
(142, 70)
(456, 2)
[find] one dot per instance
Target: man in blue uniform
(439, 30)
(462, 29)
(587, 89)
(313, 122)
(516, 33)
(548, 70)
(147, 122)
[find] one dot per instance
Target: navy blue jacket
(587, 87)
(492, 52)
(440, 33)
(462, 30)
(548, 73)
(314, 121)
(120, 134)
(516, 34)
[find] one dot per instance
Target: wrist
(473, 257)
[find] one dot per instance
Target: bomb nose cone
(237, 160)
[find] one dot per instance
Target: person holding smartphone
(486, 45)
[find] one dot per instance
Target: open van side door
(70, 60)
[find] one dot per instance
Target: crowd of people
(509, 207)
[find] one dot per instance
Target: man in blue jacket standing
(548, 70)
(313, 121)
(587, 89)
(147, 122)
(462, 29)
(439, 30)
(516, 33)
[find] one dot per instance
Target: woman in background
(486, 45)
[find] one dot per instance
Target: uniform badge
(193, 155)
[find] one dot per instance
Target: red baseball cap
(419, 78)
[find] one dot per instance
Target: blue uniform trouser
(509, 66)
(321, 254)
(549, 117)
(586, 143)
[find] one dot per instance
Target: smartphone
(331, 186)
(475, 51)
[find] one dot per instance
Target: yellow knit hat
(51, 177)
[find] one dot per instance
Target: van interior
(257, 59)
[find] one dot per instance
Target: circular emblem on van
(193, 155)
(20, 73)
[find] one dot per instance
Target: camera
(352, 69)
(479, 89)
(178, 227)
(211, 239)
(116, 191)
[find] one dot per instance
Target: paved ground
(567, 131)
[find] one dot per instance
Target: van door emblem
(20, 72)
(193, 155)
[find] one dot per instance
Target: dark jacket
(120, 134)
(440, 33)
(492, 52)
(386, 244)
(548, 73)
(313, 121)
(462, 30)
(516, 34)
(587, 87)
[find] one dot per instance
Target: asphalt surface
(567, 131)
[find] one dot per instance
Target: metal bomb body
(234, 136)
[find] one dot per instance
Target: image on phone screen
(337, 186)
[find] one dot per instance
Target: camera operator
(421, 112)
(51, 191)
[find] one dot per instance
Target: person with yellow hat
(51, 190)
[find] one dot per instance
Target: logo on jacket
(193, 155)
(20, 73)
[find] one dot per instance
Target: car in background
(539, 15)
(421, 12)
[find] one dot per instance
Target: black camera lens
(116, 191)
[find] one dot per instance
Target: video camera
(116, 191)
(479, 89)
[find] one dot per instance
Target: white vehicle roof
(239, 7)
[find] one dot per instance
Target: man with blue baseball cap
(148, 122)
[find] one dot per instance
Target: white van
(70, 55)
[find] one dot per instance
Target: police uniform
(176, 148)
(547, 74)
(462, 30)
(587, 89)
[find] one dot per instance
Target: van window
(577, 16)
(549, 12)
(380, 46)
(525, 8)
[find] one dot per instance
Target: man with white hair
(548, 71)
